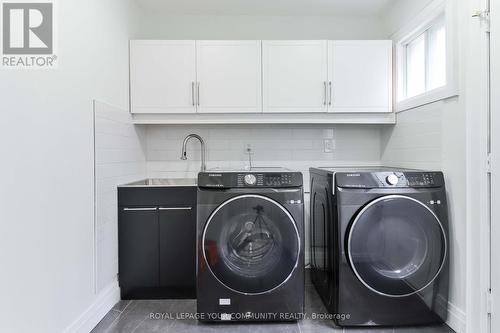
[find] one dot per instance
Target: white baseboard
(456, 318)
(106, 299)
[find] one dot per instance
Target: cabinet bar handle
(330, 85)
(198, 94)
(140, 209)
(324, 93)
(175, 208)
(192, 93)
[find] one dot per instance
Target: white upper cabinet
(360, 76)
(162, 76)
(311, 80)
(229, 75)
(294, 76)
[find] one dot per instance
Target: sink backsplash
(293, 146)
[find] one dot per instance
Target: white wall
(119, 159)
(416, 140)
(46, 197)
(433, 137)
(162, 26)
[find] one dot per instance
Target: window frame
(419, 25)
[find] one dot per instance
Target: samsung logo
(214, 175)
(353, 175)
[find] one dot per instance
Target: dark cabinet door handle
(175, 208)
(139, 209)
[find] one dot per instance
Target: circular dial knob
(392, 179)
(250, 180)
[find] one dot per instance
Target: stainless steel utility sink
(163, 182)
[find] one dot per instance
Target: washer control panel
(249, 179)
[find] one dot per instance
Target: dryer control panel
(389, 179)
(249, 179)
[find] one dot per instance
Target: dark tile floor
(134, 317)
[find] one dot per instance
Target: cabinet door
(229, 76)
(360, 76)
(138, 249)
(294, 76)
(178, 247)
(162, 76)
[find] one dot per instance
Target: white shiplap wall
(119, 158)
(432, 137)
(415, 142)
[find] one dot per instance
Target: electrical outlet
(329, 145)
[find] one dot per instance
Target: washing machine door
(251, 244)
(396, 246)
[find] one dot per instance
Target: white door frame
(477, 106)
(494, 164)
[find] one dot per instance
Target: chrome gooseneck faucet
(184, 153)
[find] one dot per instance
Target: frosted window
(415, 76)
(437, 57)
(426, 60)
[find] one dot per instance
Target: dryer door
(396, 246)
(320, 229)
(251, 244)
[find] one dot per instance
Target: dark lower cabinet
(157, 243)
(139, 251)
(178, 249)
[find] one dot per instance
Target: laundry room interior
(373, 117)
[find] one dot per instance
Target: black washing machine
(379, 245)
(250, 246)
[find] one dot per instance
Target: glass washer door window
(251, 244)
(396, 246)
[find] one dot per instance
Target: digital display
(278, 179)
(422, 179)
